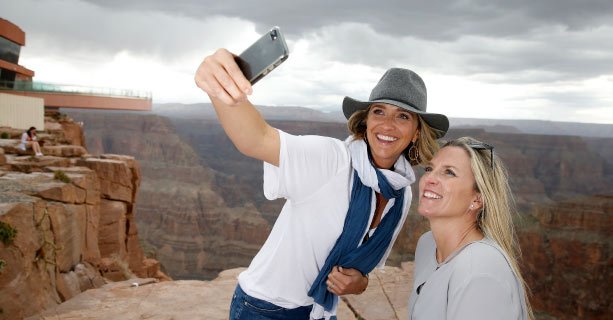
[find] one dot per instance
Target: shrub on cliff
(61, 175)
(7, 233)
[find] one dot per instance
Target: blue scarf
(346, 252)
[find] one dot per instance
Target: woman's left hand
(343, 281)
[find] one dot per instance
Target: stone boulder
(84, 180)
(63, 130)
(83, 277)
(115, 178)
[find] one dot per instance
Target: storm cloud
(557, 55)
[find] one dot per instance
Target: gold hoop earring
(414, 153)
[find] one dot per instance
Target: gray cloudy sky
(536, 59)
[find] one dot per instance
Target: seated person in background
(28, 139)
(466, 267)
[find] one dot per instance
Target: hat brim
(434, 120)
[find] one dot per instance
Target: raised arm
(220, 77)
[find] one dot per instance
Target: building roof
(12, 32)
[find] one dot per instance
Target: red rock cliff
(193, 223)
(568, 256)
(548, 173)
(66, 221)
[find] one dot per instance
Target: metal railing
(72, 89)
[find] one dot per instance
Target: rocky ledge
(66, 221)
(385, 299)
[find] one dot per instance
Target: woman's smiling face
(447, 187)
(389, 131)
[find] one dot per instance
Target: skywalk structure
(23, 100)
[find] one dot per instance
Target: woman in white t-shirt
(466, 267)
(346, 200)
(28, 139)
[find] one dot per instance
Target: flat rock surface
(385, 298)
(387, 295)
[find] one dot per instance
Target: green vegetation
(7, 233)
(5, 135)
(2, 265)
(61, 175)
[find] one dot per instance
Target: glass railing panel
(36, 86)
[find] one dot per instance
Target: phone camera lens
(273, 34)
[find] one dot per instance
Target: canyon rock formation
(186, 219)
(568, 257)
(67, 221)
(202, 210)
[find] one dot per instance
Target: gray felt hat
(402, 88)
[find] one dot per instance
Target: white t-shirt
(24, 141)
(314, 175)
(474, 283)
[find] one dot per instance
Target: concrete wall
(22, 112)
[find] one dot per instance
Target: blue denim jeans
(246, 307)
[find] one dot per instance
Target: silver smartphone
(263, 56)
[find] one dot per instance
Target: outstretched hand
(220, 77)
(343, 281)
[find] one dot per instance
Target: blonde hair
(426, 144)
(495, 219)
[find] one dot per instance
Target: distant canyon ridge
(201, 209)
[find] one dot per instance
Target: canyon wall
(568, 257)
(191, 216)
(209, 214)
(67, 221)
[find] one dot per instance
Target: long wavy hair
(495, 219)
(426, 144)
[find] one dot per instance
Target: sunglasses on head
(483, 146)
